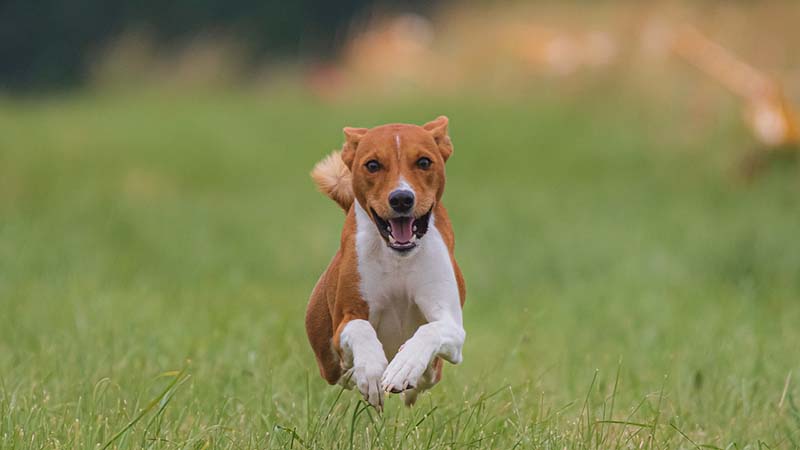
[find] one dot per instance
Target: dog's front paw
(404, 371)
(367, 379)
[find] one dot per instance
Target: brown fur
(336, 298)
(333, 179)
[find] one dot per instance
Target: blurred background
(52, 45)
(360, 48)
(624, 191)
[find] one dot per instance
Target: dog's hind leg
(319, 328)
(428, 379)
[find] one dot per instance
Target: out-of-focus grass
(623, 289)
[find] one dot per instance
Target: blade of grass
(150, 406)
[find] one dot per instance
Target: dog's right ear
(352, 137)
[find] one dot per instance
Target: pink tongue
(401, 229)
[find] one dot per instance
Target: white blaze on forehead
(397, 145)
(402, 184)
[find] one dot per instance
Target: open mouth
(402, 233)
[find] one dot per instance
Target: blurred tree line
(50, 43)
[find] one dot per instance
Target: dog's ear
(352, 137)
(438, 129)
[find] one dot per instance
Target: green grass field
(624, 289)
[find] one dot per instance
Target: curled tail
(334, 179)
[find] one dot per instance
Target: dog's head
(398, 176)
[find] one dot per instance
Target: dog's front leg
(364, 359)
(442, 336)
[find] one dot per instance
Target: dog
(388, 309)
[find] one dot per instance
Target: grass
(624, 290)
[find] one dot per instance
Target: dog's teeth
(389, 229)
(414, 228)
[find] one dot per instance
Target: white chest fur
(399, 287)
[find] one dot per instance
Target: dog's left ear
(438, 129)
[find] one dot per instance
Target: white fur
(364, 357)
(414, 304)
(402, 185)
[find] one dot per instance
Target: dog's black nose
(401, 200)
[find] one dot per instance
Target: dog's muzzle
(402, 233)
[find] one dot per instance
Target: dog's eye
(372, 166)
(424, 163)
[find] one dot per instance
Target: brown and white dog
(387, 310)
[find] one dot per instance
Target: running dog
(387, 311)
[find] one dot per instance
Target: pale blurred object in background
(393, 50)
(513, 48)
(767, 111)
